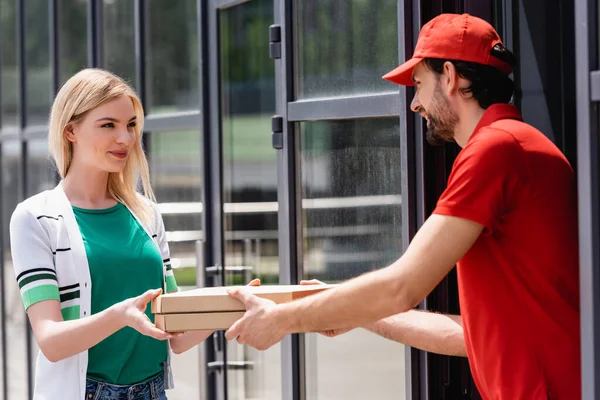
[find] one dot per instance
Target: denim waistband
(151, 389)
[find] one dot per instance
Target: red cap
(452, 37)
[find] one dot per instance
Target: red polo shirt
(519, 283)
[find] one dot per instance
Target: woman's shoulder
(38, 204)
(152, 206)
(36, 207)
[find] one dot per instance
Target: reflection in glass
(9, 67)
(72, 37)
(119, 39)
(345, 46)
(172, 56)
(14, 317)
(351, 213)
(249, 178)
(37, 53)
(175, 168)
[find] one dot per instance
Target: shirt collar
(496, 112)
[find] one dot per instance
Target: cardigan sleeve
(32, 258)
(170, 283)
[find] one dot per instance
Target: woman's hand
(132, 313)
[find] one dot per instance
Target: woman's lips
(119, 154)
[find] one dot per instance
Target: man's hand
(192, 338)
(259, 327)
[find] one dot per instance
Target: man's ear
(451, 77)
(70, 133)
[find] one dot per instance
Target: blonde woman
(91, 254)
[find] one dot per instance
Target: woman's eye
(108, 125)
(132, 124)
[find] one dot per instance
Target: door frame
(588, 179)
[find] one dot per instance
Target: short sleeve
(32, 259)
(485, 179)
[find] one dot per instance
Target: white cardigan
(48, 253)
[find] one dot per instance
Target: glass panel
(175, 165)
(119, 39)
(9, 71)
(351, 213)
(345, 46)
(546, 103)
(172, 56)
(37, 52)
(15, 316)
(72, 37)
(249, 178)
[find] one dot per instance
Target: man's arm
(435, 249)
(428, 331)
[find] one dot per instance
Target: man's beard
(441, 120)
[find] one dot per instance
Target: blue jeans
(153, 389)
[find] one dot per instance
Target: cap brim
(402, 75)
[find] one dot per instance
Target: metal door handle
(215, 269)
(206, 368)
(217, 366)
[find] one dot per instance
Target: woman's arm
(59, 339)
(188, 340)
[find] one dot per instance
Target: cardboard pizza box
(216, 299)
(196, 321)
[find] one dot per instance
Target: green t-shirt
(124, 262)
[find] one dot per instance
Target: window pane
(119, 39)
(72, 37)
(345, 46)
(172, 56)
(15, 316)
(176, 172)
(176, 167)
(249, 178)
(37, 52)
(9, 71)
(351, 213)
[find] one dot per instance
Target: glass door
(243, 102)
(249, 180)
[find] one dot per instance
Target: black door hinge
(275, 42)
(277, 130)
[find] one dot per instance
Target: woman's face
(105, 136)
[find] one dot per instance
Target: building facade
(277, 151)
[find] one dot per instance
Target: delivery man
(507, 220)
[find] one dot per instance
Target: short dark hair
(488, 86)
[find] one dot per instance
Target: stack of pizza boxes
(213, 308)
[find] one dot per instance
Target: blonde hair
(86, 90)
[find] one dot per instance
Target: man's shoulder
(493, 142)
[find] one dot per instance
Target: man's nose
(415, 105)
